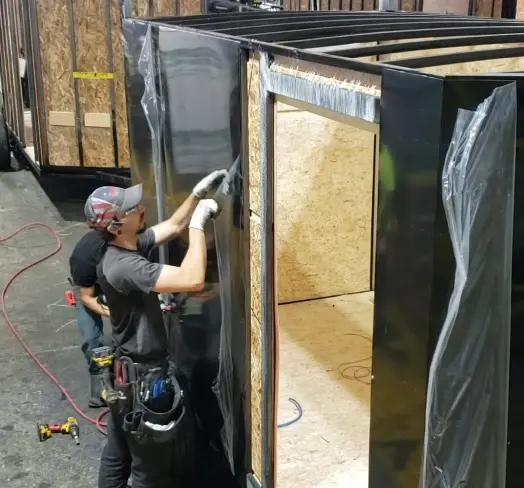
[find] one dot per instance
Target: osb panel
(164, 8)
(324, 173)
(58, 83)
(256, 397)
(154, 8)
(256, 263)
(489, 8)
(253, 77)
(491, 66)
(91, 56)
(190, 7)
(120, 95)
(520, 9)
(509, 64)
(459, 7)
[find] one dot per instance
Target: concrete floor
(35, 304)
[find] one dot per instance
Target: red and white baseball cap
(106, 202)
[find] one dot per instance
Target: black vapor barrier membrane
(467, 394)
(192, 103)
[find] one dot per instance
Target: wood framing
(80, 111)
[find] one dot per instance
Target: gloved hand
(211, 180)
(205, 210)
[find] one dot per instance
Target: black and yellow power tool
(103, 357)
(69, 427)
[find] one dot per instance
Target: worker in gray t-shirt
(131, 284)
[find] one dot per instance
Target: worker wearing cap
(131, 284)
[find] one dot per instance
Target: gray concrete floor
(35, 304)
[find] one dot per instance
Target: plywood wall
(487, 66)
(157, 8)
(520, 9)
(92, 54)
(324, 202)
(253, 78)
(484, 8)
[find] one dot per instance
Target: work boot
(95, 400)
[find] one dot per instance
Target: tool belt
(149, 399)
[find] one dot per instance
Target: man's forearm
(180, 219)
(177, 223)
(195, 260)
(92, 304)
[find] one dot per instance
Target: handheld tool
(69, 427)
(69, 295)
(103, 356)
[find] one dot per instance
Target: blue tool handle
(156, 389)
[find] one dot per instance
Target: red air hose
(96, 420)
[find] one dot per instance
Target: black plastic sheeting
(467, 397)
(189, 91)
(445, 252)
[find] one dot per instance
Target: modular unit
(364, 275)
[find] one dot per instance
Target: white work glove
(211, 180)
(205, 210)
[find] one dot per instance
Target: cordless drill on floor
(69, 427)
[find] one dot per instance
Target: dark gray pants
(122, 456)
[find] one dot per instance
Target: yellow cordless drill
(103, 357)
(69, 427)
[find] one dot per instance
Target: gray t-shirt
(126, 278)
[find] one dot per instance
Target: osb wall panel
(447, 6)
(487, 66)
(324, 172)
(256, 355)
(158, 8)
(57, 79)
(120, 94)
(253, 81)
(520, 9)
(91, 56)
(491, 66)
(94, 95)
(253, 89)
(489, 8)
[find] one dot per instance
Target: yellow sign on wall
(86, 75)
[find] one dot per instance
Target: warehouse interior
(326, 184)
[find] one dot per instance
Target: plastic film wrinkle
(468, 378)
